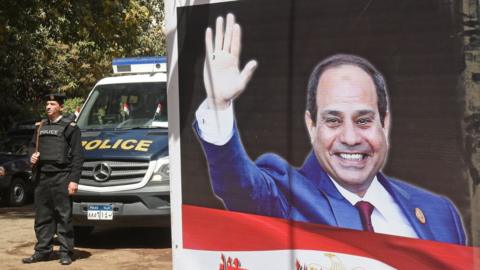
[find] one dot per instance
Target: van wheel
(17, 194)
(82, 233)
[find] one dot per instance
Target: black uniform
(60, 163)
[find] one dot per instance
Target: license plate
(100, 212)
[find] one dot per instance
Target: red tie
(365, 209)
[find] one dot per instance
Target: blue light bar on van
(139, 64)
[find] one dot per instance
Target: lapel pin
(420, 216)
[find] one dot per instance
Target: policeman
(57, 157)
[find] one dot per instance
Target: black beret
(60, 98)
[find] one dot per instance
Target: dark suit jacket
(272, 187)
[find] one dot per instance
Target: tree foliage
(64, 45)
(72, 104)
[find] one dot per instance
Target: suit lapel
(345, 215)
(408, 205)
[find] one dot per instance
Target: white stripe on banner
(277, 260)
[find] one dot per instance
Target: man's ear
(311, 128)
(386, 125)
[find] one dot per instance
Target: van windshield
(125, 106)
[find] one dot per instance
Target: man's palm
(222, 77)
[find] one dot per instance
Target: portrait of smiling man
(340, 183)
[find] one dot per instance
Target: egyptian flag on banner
(219, 239)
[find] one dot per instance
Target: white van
(125, 177)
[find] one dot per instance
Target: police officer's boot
(65, 259)
(36, 257)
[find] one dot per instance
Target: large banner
(319, 135)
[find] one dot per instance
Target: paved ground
(122, 249)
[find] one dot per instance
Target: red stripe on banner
(211, 229)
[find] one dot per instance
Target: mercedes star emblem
(102, 172)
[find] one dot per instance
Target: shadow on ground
(78, 254)
(26, 211)
(104, 238)
(107, 238)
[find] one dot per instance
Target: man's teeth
(351, 156)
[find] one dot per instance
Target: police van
(125, 175)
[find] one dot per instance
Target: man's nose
(350, 135)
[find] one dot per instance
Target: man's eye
(332, 121)
(364, 121)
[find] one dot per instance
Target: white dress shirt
(216, 127)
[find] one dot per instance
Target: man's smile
(352, 156)
(352, 160)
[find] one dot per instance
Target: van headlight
(162, 170)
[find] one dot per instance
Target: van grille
(113, 173)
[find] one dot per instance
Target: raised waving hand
(222, 76)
